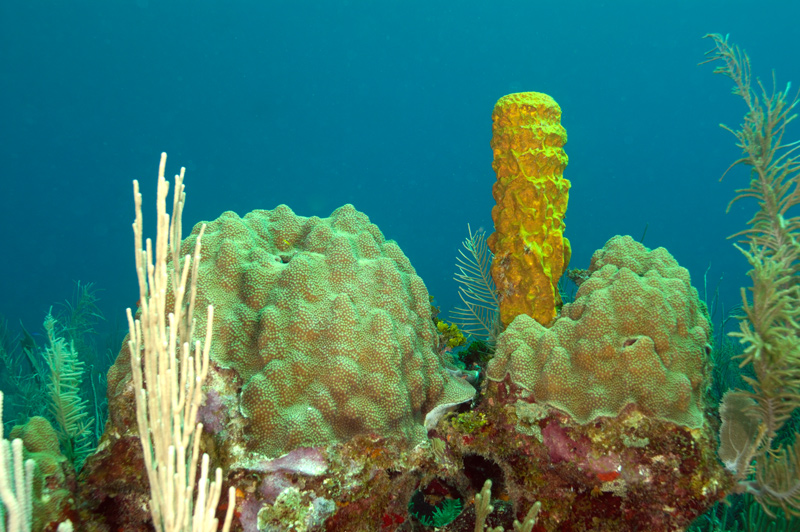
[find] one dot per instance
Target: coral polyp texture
(635, 334)
(327, 325)
(530, 250)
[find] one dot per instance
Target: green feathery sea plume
(770, 329)
(67, 408)
(480, 315)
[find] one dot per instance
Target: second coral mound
(635, 334)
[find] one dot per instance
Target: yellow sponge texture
(530, 251)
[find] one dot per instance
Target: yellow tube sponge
(530, 251)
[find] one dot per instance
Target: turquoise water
(386, 105)
(382, 104)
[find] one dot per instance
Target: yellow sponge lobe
(530, 251)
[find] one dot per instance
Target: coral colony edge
(289, 373)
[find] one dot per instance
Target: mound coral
(327, 325)
(530, 251)
(324, 349)
(52, 477)
(636, 334)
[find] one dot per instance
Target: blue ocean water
(386, 105)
